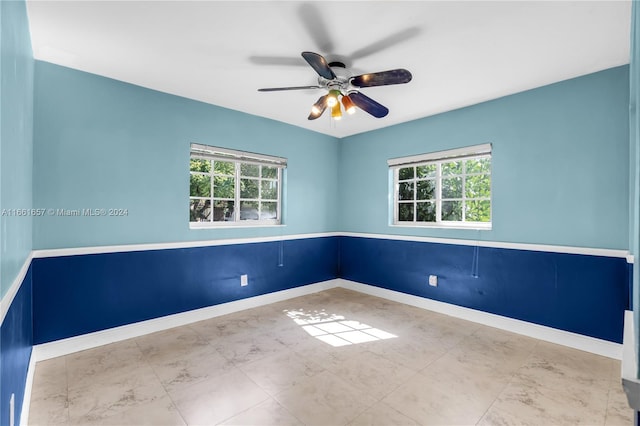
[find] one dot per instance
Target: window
(230, 187)
(444, 189)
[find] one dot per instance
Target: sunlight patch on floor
(334, 329)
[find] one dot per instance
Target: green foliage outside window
(213, 196)
(461, 189)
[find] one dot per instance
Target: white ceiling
(221, 52)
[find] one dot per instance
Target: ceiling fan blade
(383, 78)
(385, 43)
(367, 104)
(311, 17)
(277, 89)
(319, 64)
(318, 108)
(277, 60)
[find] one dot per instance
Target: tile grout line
(238, 368)
(379, 400)
(67, 401)
(611, 384)
(390, 392)
(512, 377)
(253, 406)
(606, 410)
(168, 395)
(269, 396)
(340, 379)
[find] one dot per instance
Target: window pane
(224, 187)
(406, 173)
(405, 191)
(426, 171)
(249, 188)
(224, 168)
(200, 165)
(269, 211)
(249, 170)
(452, 168)
(426, 212)
(478, 211)
(269, 190)
(269, 172)
(426, 189)
(232, 190)
(478, 186)
(200, 185)
(248, 210)
(405, 212)
(223, 210)
(452, 188)
(199, 210)
(482, 165)
(452, 210)
(444, 191)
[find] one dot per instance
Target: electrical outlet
(433, 280)
(244, 280)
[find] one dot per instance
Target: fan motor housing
(337, 64)
(341, 82)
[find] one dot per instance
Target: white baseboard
(26, 400)
(629, 367)
(91, 340)
(548, 334)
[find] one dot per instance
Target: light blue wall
(560, 168)
(16, 139)
(560, 164)
(101, 143)
(16, 165)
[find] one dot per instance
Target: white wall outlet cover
(244, 280)
(433, 280)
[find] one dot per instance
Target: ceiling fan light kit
(332, 100)
(342, 87)
(318, 108)
(348, 104)
(336, 113)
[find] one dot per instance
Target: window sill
(472, 227)
(200, 225)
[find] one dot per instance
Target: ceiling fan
(342, 87)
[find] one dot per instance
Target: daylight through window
(230, 187)
(447, 188)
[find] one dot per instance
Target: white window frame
(238, 158)
(438, 158)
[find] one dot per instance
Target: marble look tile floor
(332, 358)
